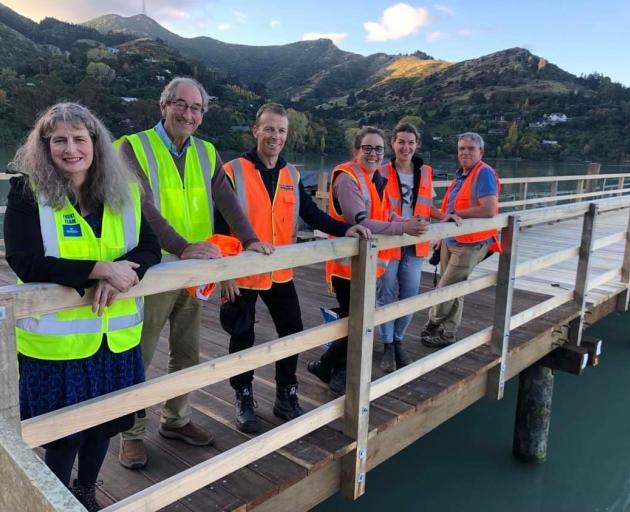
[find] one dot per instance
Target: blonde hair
(108, 177)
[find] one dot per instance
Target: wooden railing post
(581, 278)
(620, 184)
(523, 194)
(622, 298)
(499, 343)
(25, 482)
(359, 371)
(322, 188)
(9, 394)
(553, 192)
(593, 169)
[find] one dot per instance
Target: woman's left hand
(359, 231)
(104, 295)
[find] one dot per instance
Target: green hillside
(522, 104)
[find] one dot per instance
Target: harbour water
(466, 463)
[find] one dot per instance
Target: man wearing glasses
(184, 180)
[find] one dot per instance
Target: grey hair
(108, 177)
(168, 94)
(475, 137)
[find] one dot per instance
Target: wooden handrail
(38, 298)
(48, 427)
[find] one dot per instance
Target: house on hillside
(556, 117)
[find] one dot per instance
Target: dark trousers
(334, 359)
(91, 447)
(283, 305)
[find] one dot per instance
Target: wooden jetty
(564, 267)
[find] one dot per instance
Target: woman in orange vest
(358, 197)
(410, 193)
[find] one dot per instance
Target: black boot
(246, 420)
(388, 361)
(287, 406)
(402, 359)
(318, 369)
(337, 384)
(86, 495)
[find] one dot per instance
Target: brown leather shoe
(189, 433)
(132, 453)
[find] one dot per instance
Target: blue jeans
(406, 274)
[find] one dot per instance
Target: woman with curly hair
(74, 218)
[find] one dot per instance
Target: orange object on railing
(229, 246)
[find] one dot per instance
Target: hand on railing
(201, 251)
(261, 247)
(358, 231)
(452, 217)
(104, 295)
(119, 274)
(415, 226)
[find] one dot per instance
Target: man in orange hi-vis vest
(273, 197)
(473, 193)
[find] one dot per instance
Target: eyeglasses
(379, 150)
(182, 106)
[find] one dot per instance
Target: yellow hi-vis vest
(187, 205)
(77, 333)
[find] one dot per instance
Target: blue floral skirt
(50, 385)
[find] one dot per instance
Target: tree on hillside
(417, 121)
(510, 147)
(298, 130)
(100, 72)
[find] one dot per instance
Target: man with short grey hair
(473, 193)
(184, 180)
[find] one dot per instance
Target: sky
(579, 36)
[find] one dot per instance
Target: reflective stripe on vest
(78, 332)
(461, 202)
(268, 224)
(49, 229)
(183, 210)
(422, 206)
(342, 267)
(48, 324)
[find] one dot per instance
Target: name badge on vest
(71, 230)
(70, 226)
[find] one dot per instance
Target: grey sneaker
(430, 329)
(440, 339)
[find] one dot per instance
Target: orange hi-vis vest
(467, 198)
(229, 246)
(422, 208)
(376, 208)
(274, 222)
